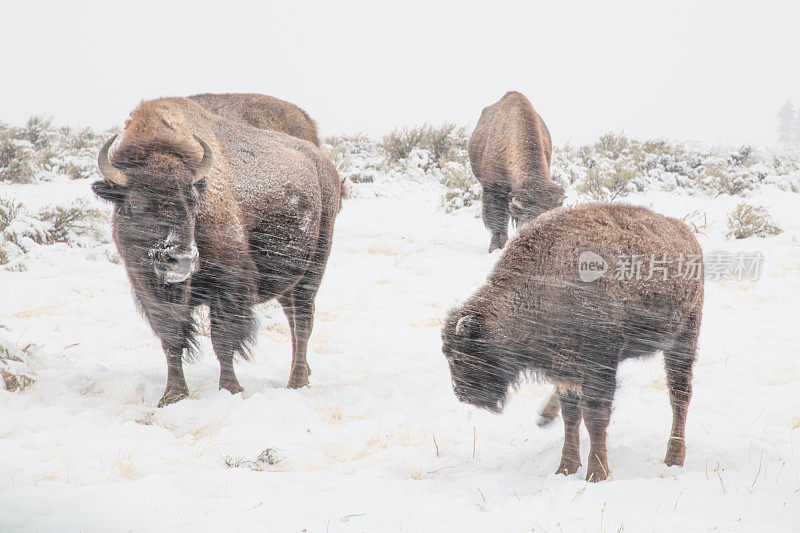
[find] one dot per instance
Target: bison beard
(481, 372)
(209, 211)
(535, 315)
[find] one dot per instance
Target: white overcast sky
(693, 70)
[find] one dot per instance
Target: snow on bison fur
(535, 314)
(509, 152)
(262, 111)
(210, 211)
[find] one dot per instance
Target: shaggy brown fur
(257, 226)
(262, 111)
(535, 314)
(510, 155)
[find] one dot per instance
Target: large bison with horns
(509, 152)
(208, 210)
(537, 313)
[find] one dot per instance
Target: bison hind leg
(597, 395)
(678, 362)
(570, 453)
(549, 412)
(298, 305)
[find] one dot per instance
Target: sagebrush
(751, 221)
(75, 224)
(15, 368)
(445, 142)
(39, 151)
(616, 165)
(606, 170)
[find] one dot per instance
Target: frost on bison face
(155, 210)
(537, 313)
(211, 212)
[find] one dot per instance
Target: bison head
(155, 191)
(482, 366)
(528, 203)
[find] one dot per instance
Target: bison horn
(206, 163)
(516, 203)
(108, 170)
(468, 326)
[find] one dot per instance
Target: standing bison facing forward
(211, 211)
(554, 306)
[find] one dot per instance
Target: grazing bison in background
(537, 314)
(211, 211)
(509, 152)
(262, 111)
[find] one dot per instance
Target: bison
(262, 111)
(553, 307)
(509, 152)
(211, 211)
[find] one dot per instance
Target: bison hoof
(597, 475)
(172, 396)
(676, 453)
(568, 467)
(544, 421)
(597, 470)
(297, 383)
(497, 243)
(299, 378)
(231, 386)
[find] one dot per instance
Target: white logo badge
(591, 266)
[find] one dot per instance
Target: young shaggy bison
(262, 111)
(550, 307)
(509, 152)
(210, 211)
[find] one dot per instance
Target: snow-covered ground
(378, 441)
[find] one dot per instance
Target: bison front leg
(596, 416)
(176, 382)
(496, 215)
(571, 414)
(597, 395)
(233, 328)
(227, 377)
